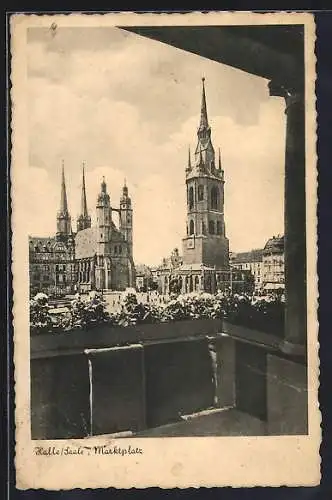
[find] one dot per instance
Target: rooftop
(274, 245)
(255, 255)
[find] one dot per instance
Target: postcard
(163, 194)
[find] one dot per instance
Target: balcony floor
(223, 422)
(214, 422)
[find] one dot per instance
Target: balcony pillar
(295, 220)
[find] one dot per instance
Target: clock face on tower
(191, 243)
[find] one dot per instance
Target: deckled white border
(166, 462)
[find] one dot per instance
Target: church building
(96, 257)
(205, 265)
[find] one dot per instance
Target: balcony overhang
(269, 51)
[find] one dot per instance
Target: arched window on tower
(200, 192)
(215, 198)
(218, 227)
(211, 227)
(191, 227)
(191, 198)
(203, 228)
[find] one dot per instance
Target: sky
(129, 107)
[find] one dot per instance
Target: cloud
(40, 201)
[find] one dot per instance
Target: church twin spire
(84, 205)
(63, 201)
(64, 227)
(63, 216)
(83, 220)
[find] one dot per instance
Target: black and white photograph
(164, 243)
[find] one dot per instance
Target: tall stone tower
(83, 220)
(126, 218)
(104, 235)
(206, 241)
(63, 216)
(104, 220)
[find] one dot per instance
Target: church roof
(86, 243)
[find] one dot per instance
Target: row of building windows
(52, 257)
(214, 197)
(274, 261)
(59, 278)
(214, 228)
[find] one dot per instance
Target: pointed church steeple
(83, 220)
(84, 205)
(103, 197)
(204, 124)
(63, 200)
(125, 199)
(219, 160)
(63, 216)
(204, 153)
(125, 188)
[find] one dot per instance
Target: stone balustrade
(93, 383)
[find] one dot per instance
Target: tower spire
(83, 220)
(84, 205)
(204, 153)
(103, 199)
(204, 118)
(63, 201)
(63, 216)
(124, 189)
(103, 185)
